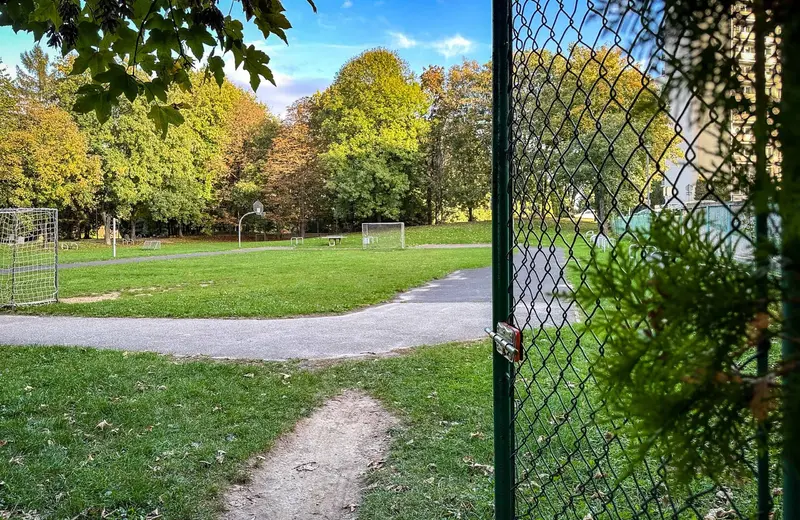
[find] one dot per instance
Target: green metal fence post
(761, 201)
(789, 200)
(502, 259)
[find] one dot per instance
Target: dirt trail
(317, 471)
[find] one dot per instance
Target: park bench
(151, 244)
(334, 240)
(69, 245)
(600, 239)
(296, 241)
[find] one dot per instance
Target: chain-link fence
(607, 125)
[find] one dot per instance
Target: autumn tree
(433, 80)
(46, 163)
(250, 129)
(371, 120)
(294, 179)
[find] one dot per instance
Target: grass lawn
(85, 432)
(91, 250)
(263, 284)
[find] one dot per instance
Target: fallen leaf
(250, 375)
(102, 425)
(376, 464)
(3, 443)
(306, 466)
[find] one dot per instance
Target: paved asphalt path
(455, 308)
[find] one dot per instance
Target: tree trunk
(470, 214)
(600, 213)
(133, 228)
(87, 231)
(180, 229)
(429, 205)
(107, 225)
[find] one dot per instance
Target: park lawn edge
(437, 415)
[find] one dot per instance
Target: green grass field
(92, 250)
(87, 433)
(84, 432)
(262, 284)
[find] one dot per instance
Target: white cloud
(287, 88)
(453, 46)
(347, 4)
(401, 41)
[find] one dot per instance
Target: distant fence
(730, 224)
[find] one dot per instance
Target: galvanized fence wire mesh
(607, 137)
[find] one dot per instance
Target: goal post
(383, 235)
(28, 256)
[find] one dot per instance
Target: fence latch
(507, 341)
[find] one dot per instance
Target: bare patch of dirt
(91, 299)
(318, 470)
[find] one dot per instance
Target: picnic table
(334, 240)
(151, 244)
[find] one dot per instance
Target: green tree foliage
(611, 126)
(459, 146)
(371, 123)
(36, 79)
(147, 47)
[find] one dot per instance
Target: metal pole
(114, 237)
(789, 203)
(55, 245)
(502, 256)
(240, 227)
(14, 245)
(761, 203)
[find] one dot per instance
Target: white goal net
(28, 256)
(383, 235)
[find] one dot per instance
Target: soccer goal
(28, 256)
(383, 235)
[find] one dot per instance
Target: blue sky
(423, 32)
